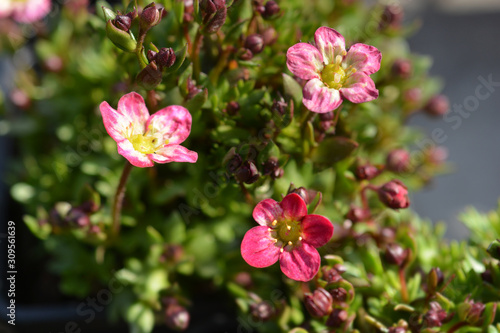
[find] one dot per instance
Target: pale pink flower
(332, 73)
(25, 11)
(143, 139)
(288, 234)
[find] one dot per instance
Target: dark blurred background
(463, 39)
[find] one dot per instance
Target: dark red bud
(254, 43)
(262, 311)
(246, 54)
(234, 163)
(150, 76)
(487, 276)
(271, 9)
(339, 295)
(319, 304)
(279, 107)
(176, 317)
(358, 214)
(412, 96)
(270, 36)
(392, 16)
(232, 108)
(396, 330)
(151, 55)
(398, 161)
(150, 16)
(402, 68)
(213, 14)
(122, 22)
(165, 57)
(367, 172)
(172, 253)
(243, 279)
(337, 318)
(278, 173)
(78, 218)
(438, 105)
(435, 316)
(395, 254)
(394, 194)
(270, 166)
(326, 116)
(247, 173)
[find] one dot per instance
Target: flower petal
(30, 11)
(267, 211)
(316, 230)
(304, 60)
(301, 263)
(319, 98)
(359, 88)
(258, 248)
(294, 207)
(365, 58)
(173, 122)
(114, 122)
(174, 153)
(133, 107)
(136, 158)
(330, 43)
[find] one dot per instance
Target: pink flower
(25, 11)
(286, 233)
(143, 139)
(332, 73)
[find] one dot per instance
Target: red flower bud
(271, 10)
(319, 304)
(122, 22)
(254, 43)
(247, 173)
(232, 108)
(402, 68)
(150, 16)
(150, 76)
(213, 14)
(398, 161)
(367, 172)
(337, 318)
(262, 311)
(176, 317)
(396, 255)
(357, 214)
(435, 316)
(394, 194)
(438, 105)
(165, 58)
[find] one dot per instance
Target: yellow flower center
(334, 76)
(147, 143)
(286, 233)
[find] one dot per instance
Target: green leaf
(333, 150)
(195, 103)
(292, 88)
(141, 318)
(154, 235)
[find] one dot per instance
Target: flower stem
(138, 49)
(196, 56)
(118, 200)
(457, 326)
(404, 289)
(221, 64)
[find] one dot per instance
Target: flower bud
(330, 274)
(176, 317)
(232, 108)
(271, 10)
(262, 311)
(394, 194)
(435, 316)
(339, 295)
(307, 195)
(279, 107)
(278, 173)
(494, 249)
(245, 54)
(358, 214)
(165, 58)
(172, 253)
(412, 96)
(247, 173)
(234, 163)
(487, 276)
(398, 161)
(149, 77)
(402, 68)
(122, 22)
(326, 116)
(319, 304)
(471, 311)
(392, 17)
(438, 105)
(20, 99)
(151, 55)
(120, 38)
(367, 172)
(337, 318)
(270, 166)
(213, 13)
(150, 16)
(395, 254)
(254, 43)
(434, 279)
(243, 279)
(77, 217)
(270, 36)
(396, 330)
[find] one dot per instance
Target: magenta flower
(143, 139)
(332, 73)
(25, 11)
(286, 233)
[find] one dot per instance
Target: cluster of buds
(176, 316)
(436, 316)
(118, 29)
(269, 10)
(213, 15)
(151, 75)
